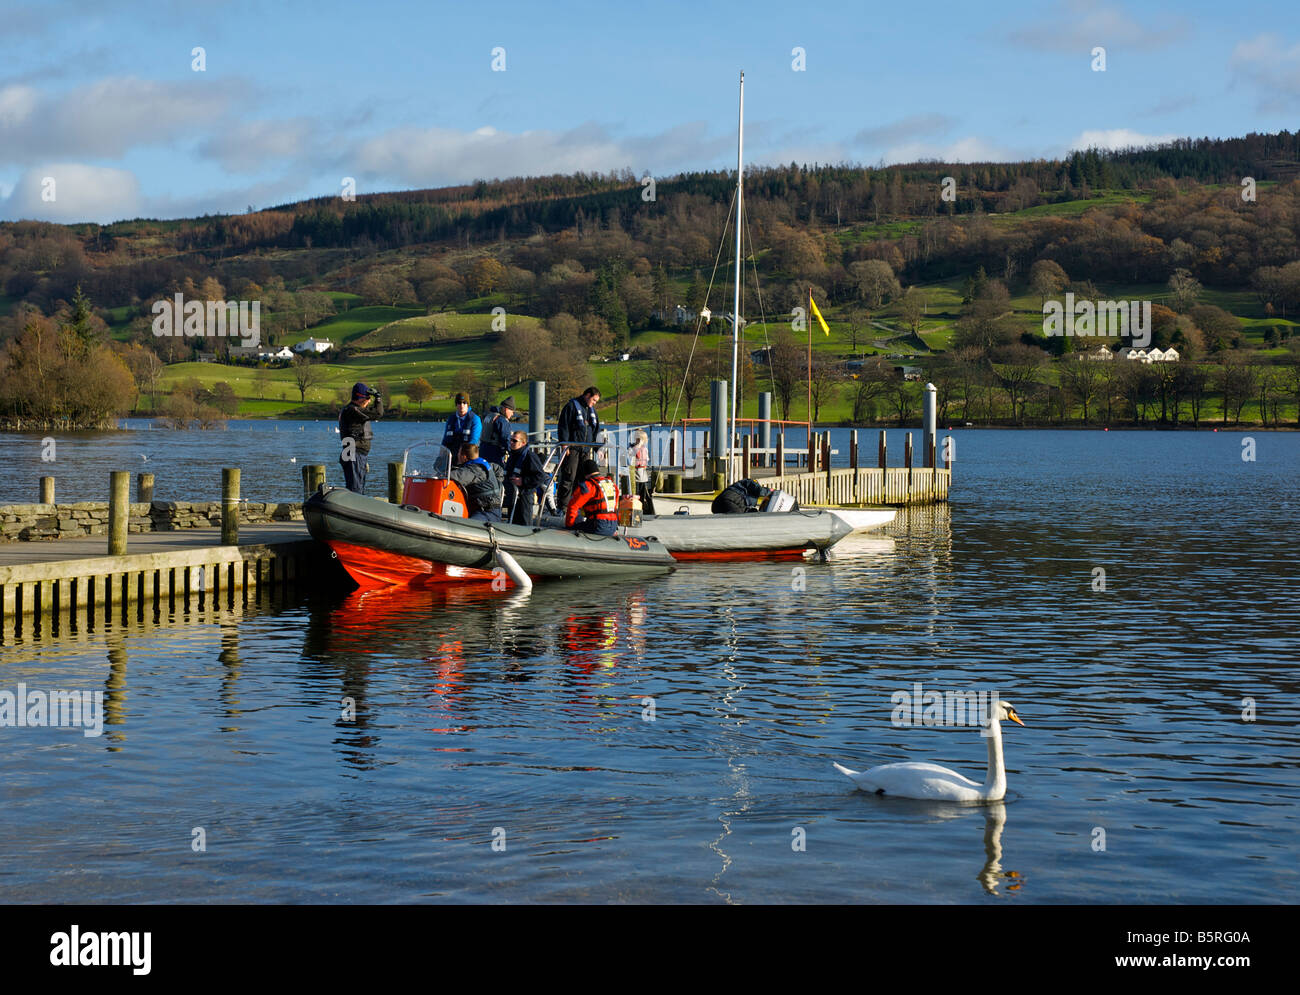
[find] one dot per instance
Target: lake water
(1159, 762)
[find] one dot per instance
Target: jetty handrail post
(907, 451)
(884, 451)
(765, 425)
(780, 452)
(144, 488)
(853, 450)
(119, 507)
(396, 476)
(230, 506)
(928, 420)
(746, 455)
(47, 490)
(812, 449)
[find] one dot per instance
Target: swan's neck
(995, 782)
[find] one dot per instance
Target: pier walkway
(75, 578)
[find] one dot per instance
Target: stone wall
(22, 522)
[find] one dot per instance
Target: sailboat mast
(735, 313)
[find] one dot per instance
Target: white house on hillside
(314, 345)
(1169, 355)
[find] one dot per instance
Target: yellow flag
(817, 314)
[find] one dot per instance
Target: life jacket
(597, 497)
(496, 438)
(486, 493)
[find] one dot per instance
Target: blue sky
(102, 97)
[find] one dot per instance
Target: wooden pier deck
(74, 579)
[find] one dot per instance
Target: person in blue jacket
(462, 427)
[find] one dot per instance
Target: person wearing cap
(462, 427)
(595, 499)
(355, 433)
(496, 434)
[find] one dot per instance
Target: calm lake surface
(481, 718)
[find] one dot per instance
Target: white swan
(935, 783)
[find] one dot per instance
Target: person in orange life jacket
(354, 424)
(495, 446)
(595, 498)
(481, 482)
(578, 422)
(524, 474)
(462, 427)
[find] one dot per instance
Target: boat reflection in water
(449, 647)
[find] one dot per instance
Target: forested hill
(1173, 206)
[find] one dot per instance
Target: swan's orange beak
(1014, 718)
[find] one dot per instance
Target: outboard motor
(781, 501)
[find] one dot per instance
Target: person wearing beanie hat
(595, 499)
(355, 433)
(496, 433)
(463, 426)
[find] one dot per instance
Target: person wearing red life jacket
(594, 500)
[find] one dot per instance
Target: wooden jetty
(810, 477)
(66, 582)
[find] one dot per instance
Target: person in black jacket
(743, 495)
(495, 446)
(482, 483)
(524, 475)
(579, 423)
(355, 433)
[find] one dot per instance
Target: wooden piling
(907, 451)
(230, 506)
(119, 508)
(47, 490)
(853, 449)
(313, 476)
(396, 473)
(780, 452)
(144, 488)
(884, 451)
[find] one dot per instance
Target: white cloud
(1267, 63)
(429, 157)
(969, 149)
(911, 127)
(80, 192)
(105, 118)
(250, 146)
(1077, 26)
(1117, 138)
(16, 105)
